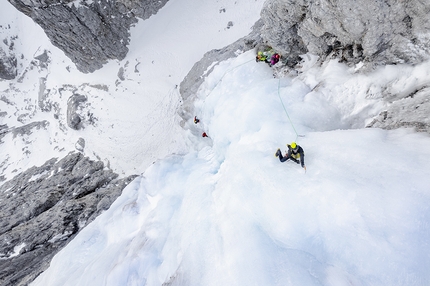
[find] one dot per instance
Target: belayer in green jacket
(261, 57)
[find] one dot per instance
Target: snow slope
(229, 213)
(133, 103)
(223, 210)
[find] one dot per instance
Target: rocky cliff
(89, 32)
(43, 208)
(374, 31)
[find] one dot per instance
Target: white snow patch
(16, 250)
(60, 236)
(37, 176)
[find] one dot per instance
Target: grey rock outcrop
(89, 32)
(8, 62)
(374, 31)
(80, 145)
(412, 111)
(43, 208)
(74, 105)
(28, 129)
(7, 66)
(3, 129)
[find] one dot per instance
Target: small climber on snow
(295, 153)
(196, 120)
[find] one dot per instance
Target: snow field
(229, 213)
(136, 121)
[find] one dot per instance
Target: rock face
(411, 111)
(89, 32)
(7, 66)
(74, 104)
(376, 31)
(43, 208)
(8, 62)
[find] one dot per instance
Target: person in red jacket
(274, 59)
(295, 153)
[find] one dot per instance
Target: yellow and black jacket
(296, 155)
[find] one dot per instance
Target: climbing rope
(219, 81)
(279, 94)
(279, 84)
(226, 72)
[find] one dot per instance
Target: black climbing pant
(285, 158)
